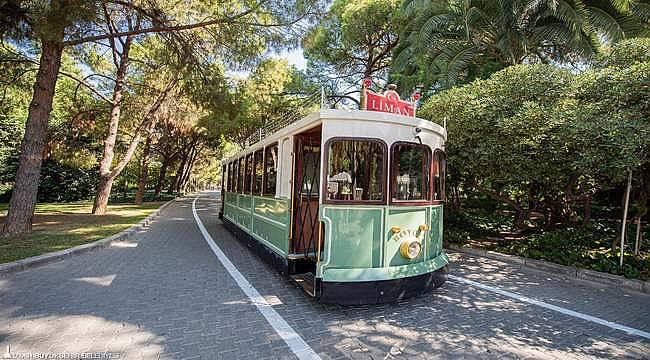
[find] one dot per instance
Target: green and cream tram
(348, 203)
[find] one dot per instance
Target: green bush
(461, 226)
(535, 136)
(626, 53)
(61, 183)
(587, 247)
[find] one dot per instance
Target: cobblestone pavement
(163, 294)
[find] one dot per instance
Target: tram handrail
(286, 118)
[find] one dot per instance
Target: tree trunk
(587, 211)
(190, 165)
(554, 216)
(103, 193)
(146, 126)
(23, 197)
(617, 238)
(521, 214)
(175, 185)
(161, 178)
(520, 218)
(106, 178)
(188, 174)
(144, 172)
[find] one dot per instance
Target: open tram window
(439, 175)
(241, 176)
(258, 170)
(270, 169)
(411, 168)
(249, 174)
(355, 170)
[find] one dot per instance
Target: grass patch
(59, 226)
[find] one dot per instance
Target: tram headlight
(410, 249)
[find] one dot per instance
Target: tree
(69, 145)
(610, 108)
(354, 41)
(273, 91)
(120, 50)
(15, 77)
(178, 125)
(66, 23)
(48, 24)
(456, 41)
(539, 138)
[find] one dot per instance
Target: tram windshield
(411, 164)
(355, 170)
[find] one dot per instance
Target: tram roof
(325, 115)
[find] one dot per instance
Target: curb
(30, 262)
(569, 272)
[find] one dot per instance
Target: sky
(295, 57)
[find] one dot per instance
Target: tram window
(228, 177)
(355, 170)
(270, 169)
(228, 174)
(439, 174)
(224, 173)
(249, 174)
(231, 177)
(235, 175)
(241, 177)
(411, 166)
(259, 171)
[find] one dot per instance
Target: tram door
(305, 232)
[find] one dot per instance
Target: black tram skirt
(379, 292)
(347, 293)
(266, 254)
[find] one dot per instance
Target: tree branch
(146, 126)
(497, 196)
(90, 87)
(158, 29)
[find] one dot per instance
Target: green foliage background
(543, 143)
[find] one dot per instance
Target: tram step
(306, 282)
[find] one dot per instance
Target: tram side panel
(263, 221)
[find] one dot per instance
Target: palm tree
(454, 41)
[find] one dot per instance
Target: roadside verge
(47, 258)
(568, 272)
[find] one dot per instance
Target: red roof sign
(389, 102)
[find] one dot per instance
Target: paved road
(163, 294)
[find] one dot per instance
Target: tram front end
(381, 210)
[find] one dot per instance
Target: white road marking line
(299, 347)
(613, 325)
